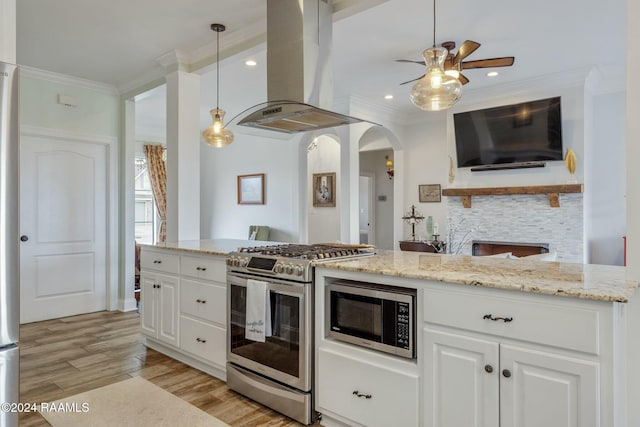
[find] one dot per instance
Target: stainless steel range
(277, 369)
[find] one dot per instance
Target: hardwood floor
(64, 357)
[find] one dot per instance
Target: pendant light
(217, 135)
(436, 90)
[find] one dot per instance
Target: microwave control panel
(403, 330)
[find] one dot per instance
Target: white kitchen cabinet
(159, 311)
(183, 304)
(461, 380)
(477, 375)
(567, 389)
(203, 309)
(367, 393)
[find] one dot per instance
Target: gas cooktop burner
(310, 252)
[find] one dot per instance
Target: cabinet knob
(358, 394)
(488, 368)
(495, 319)
(24, 238)
(506, 373)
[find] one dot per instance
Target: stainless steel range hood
(299, 34)
(294, 117)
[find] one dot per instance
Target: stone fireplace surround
(519, 218)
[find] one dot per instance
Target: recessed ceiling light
(492, 73)
(388, 97)
(250, 63)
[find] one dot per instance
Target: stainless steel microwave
(376, 316)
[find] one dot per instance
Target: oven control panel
(298, 270)
(403, 330)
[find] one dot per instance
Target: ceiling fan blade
(507, 61)
(466, 49)
(409, 60)
(463, 79)
(409, 81)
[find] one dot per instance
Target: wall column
(633, 140)
(8, 31)
(183, 156)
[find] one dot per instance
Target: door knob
(24, 238)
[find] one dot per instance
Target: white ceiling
(118, 42)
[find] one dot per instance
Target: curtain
(158, 178)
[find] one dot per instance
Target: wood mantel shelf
(552, 192)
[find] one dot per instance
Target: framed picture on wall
(324, 190)
(251, 189)
(429, 193)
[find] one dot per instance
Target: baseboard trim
(130, 304)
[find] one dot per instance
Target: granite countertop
(210, 247)
(589, 281)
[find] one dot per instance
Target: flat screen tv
(522, 134)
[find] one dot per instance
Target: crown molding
(63, 79)
(144, 82)
(175, 57)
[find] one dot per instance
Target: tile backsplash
(519, 218)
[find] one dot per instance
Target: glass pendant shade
(436, 90)
(217, 135)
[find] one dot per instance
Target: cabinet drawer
(160, 261)
(206, 268)
(551, 322)
(204, 300)
(393, 395)
(205, 341)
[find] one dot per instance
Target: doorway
(366, 208)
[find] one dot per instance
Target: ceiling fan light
(453, 73)
(436, 90)
(217, 135)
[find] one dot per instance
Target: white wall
(97, 111)
(324, 222)
(426, 161)
(222, 216)
(373, 162)
(605, 204)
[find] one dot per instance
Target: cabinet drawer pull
(201, 268)
(495, 319)
(201, 340)
(157, 261)
(201, 301)
(488, 368)
(506, 373)
(358, 394)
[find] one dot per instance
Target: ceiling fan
(454, 63)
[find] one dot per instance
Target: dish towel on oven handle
(258, 309)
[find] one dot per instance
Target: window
(145, 208)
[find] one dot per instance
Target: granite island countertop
(589, 281)
(210, 247)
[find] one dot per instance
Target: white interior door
(63, 218)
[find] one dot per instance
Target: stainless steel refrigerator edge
(9, 241)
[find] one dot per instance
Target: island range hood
(299, 69)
